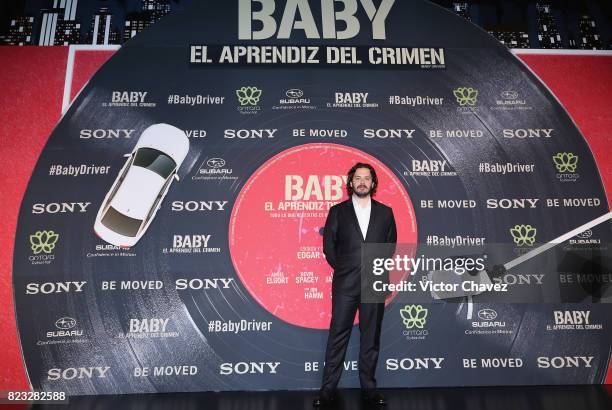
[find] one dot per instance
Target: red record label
(277, 222)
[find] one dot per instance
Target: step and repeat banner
(170, 237)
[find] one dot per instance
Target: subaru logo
(487, 314)
(65, 323)
(294, 93)
(585, 235)
(215, 162)
(509, 95)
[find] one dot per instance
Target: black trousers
(344, 308)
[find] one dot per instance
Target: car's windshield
(155, 161)
(120, 223)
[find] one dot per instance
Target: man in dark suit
(349, 225)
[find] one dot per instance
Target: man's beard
(362, 194)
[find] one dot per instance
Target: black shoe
(325, 399)
(373, 397)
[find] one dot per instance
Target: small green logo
(414, 316)
(566, 162)
(248, 95)
(43, 241)
(523, 234)
(466, 96)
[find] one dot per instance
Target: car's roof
(137, 192)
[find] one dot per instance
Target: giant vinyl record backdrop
(228, 288)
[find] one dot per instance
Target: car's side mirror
(177, 178)
(127, 155)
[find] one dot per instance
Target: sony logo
(248, 367)
(77, 373)
(100, 134)
(297, 15)
(61, 207)
(244, 134)
(54, 287)
(514, 203)
(384, 133)
(520, 279)
(197, 284)
(528, 133)
(417, 363)
(193, 206)
(560, 362)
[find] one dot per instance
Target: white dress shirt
(363, 215)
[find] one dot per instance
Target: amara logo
(43, 241)
(42, 244)
(523, 234)
(248, 95)
(414, 316)
(566, 162)
(466, 96)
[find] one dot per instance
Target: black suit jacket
(342, 242)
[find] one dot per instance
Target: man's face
(362, 182)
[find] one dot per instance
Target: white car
(137, 193)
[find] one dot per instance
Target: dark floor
(472, 398)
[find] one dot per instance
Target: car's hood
(137, 193)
